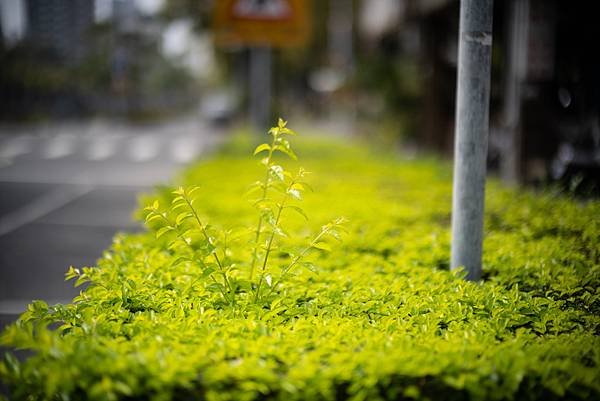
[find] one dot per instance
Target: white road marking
(59, 146)
(184, 150)
(143, 148)
(101, 149)
(15, 147)
(41, 207)
(103, 183)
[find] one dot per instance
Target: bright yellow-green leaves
(378, 317)
(277, 191)
(261, 148)
(218, 258)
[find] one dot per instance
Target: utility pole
(471, 134)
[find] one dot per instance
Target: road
(67, 188)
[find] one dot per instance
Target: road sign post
(260, 86)
(261, 25)
(471, 134)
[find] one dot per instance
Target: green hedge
(379, 318)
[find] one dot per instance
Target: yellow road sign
(274, 23)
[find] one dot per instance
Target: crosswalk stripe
(184, 150)
(101, 149)
(58, 147)
(15, 147)
(143, 148)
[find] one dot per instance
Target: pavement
(67, 188)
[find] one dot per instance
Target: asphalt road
(66, 189)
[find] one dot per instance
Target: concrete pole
(471, 134)
(260, 87)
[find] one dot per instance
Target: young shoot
(278, 193)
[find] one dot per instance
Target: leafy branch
(184, 234)
(182, 222)
(331, 229)
(272, 171)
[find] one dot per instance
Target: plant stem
(296, 260)
(260, 218)
(192, 249)
(215, 256)
(270, 243)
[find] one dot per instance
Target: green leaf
(215, 287)
(181, 259)
(286, 151)
(82, 280)
(279, 231)
(323, 246)
(182, 216)
(152, 217)
(163, 230)
(193, 190)
(207, 272)
(336, 235)
(12, 364)
(297, 210)
(244, 285)
(180, 205)
(261, 148)
(38, 306)
(294, 193)
(72, 273)
(310, 266)
(277, 171)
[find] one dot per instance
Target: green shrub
(379, 317)
(244, 277)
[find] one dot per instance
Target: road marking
(184, 150)
(143, 148)
(15, 147)
(58, 147)
(101, 149)
(41, 206)
(82, 181)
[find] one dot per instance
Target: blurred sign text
(274, 23)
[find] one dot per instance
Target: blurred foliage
(392, 81)
(32, 69)
(380, 318)
(199, 10)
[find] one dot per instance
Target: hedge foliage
(380, 317)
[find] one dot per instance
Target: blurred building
(12, 22)
(60, 26)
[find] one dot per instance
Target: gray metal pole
(471, 134)
(260, 87)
